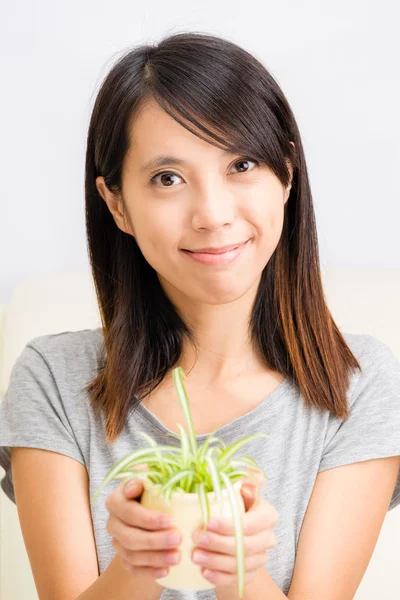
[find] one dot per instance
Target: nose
(213, 207)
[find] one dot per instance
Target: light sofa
(361, 301)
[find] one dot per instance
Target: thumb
(133, 488)
(259, 475)
(248, 493)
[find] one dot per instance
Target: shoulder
(61, 353)
(69, 343)
(66, 360)
(363, 345)
(378, 382)
(376, 357)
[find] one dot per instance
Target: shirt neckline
(242, 420)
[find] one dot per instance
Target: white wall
(337, 63)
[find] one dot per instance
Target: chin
(214, 294)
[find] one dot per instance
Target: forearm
(116, 583)
(261, 588)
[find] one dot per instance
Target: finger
(133, 488)
(226, 562)
(154, 573)
(257, 474)
(222, 579)
(263, 514)
(139, 482)
(249, 495)
(132, 512)
(133, 538)
(226, 544)
(150, 558)
(253, 489)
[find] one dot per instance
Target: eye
(246, 160)
(170, 174)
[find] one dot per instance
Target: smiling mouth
(218, 258)
(222, 250)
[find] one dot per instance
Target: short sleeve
(32, 413)
(372, 429)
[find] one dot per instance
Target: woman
(203, 246)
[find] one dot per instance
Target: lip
(218, 250)
(217, 258)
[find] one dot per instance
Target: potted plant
(190, 483)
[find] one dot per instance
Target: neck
(224, 350)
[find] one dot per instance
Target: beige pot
(185, 511)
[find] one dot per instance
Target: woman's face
(210, 199)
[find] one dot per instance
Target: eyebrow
(164, 159)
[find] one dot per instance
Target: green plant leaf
(189, 482)
(245, 460)
(127, 475)
(241, 473)
(239, 533)
(231, 450)
(174, 435)
(175, 479)
(204, 504)
(204, 447)
(128, 460)
(215, 477)
(153, 444)
(178, 374)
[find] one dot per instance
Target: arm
(338, 536)
(117, 583)
(341, 527)
(261, 588)
(52, 498)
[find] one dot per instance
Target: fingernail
(131, 485)
(213, 523)
(164, 521)
(199, 537)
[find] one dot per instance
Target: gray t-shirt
(45, 407)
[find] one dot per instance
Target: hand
(258, 521)
(137, 536)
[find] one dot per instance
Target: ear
(115, 204)
(290, 168)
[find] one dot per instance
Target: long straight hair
(224, 95)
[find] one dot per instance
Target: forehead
(153, 131)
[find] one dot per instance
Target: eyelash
(152, 179)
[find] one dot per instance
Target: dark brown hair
(223, 94)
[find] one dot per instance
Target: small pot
(185, 511)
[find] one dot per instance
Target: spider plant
(191, 469)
